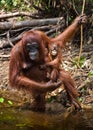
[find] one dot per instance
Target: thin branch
(9, 39)
(81, 44)
(75, 7)
(4, 56)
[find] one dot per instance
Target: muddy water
(12, 119)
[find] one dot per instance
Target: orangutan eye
(32, 46)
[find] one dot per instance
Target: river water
(14, 119)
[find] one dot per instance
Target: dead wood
(14, 31)
(30, 23)
(16, 14)
(8, 38)
(10, 41)
(54, 30)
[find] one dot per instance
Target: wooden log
(16, 14)
(7, 44)
(30, 23)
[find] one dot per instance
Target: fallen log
(15, 31)
(5, 44)
(16, 14)
(30, 23)
(54, 30)
(12, 41)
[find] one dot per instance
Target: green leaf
(83, 90)
(10, 102)
(3, 2)
(1, 100)
(80, 99)
(81, 62)
(90, 73)
(51, 99)
(15, 3)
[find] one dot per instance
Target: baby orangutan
(53, 60)
(55, 72)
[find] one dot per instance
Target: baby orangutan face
(53, 49)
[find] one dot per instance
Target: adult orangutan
(27, 57)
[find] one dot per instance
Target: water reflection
(11, 119)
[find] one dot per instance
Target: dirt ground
(4, 66)
(84, 82)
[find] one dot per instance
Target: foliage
(10, 5)
(51, 99)
(10, 102)
(90, 73)
(2, 100)
(80, 99)
(81, 62)
(49, 8)
(70, 8)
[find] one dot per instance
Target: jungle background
(52, 17)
